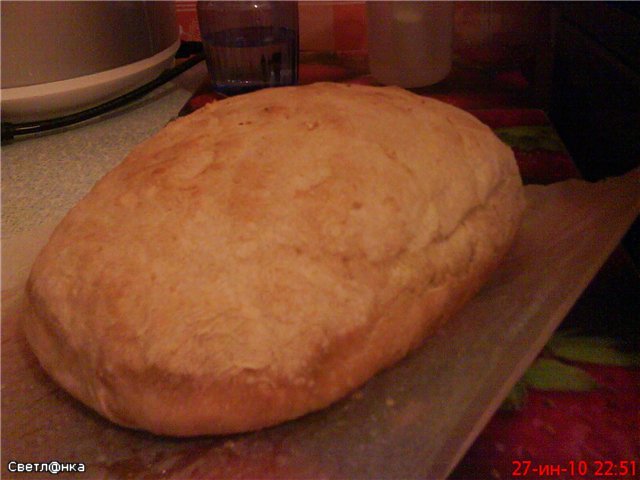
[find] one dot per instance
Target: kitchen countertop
(44, 176)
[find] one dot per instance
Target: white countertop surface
(44, 176)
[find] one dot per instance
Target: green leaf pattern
(597, 350)
(531, 138)
(553, 374)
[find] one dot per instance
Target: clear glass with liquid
(250, 45)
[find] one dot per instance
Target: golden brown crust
(269, 253)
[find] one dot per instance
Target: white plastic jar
(410, 43)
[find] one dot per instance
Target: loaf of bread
(264, 256)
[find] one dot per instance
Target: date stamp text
(624, 469)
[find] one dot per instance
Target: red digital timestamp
(624, 469)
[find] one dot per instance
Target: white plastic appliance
(62, 57)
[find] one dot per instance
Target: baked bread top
(250, 243)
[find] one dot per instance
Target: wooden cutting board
(414, 420)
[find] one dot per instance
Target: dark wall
(595, 95)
